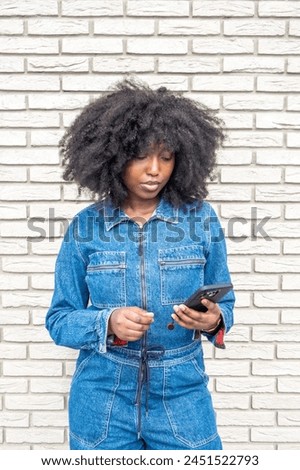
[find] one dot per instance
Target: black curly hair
(124, 123)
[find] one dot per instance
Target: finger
(211, 306)
(144, 318)
(185, 313)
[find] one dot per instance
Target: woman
(128, 263)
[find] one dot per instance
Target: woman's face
(146, 175)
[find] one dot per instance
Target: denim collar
(115, 215)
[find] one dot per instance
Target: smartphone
(213, 292)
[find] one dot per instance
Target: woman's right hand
(130, 323)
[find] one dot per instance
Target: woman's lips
(150, 185)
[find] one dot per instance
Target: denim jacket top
(108, 261)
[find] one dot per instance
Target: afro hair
(124, 123)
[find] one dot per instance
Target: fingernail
(175, 307)
(150, 314)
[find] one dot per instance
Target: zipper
(181, 262)
(142, 265)
(106, 266)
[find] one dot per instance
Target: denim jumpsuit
(151, 393)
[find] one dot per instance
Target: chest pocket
(181, 272)
(106, 278)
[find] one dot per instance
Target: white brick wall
(242, 59)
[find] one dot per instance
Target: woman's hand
(194, 320)
(129, 323)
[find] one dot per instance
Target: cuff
(102, 328)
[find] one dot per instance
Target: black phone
(213, 292)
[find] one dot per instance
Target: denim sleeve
(216, 269)
(69, 320)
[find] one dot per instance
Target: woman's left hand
(194, 320)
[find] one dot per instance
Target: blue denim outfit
(151, 393)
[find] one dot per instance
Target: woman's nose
(153, 165)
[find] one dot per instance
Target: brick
(246, 418)
(46, 174)
(253, 246)
(253, 212)
(32, 368)
(231, 401)
(278, 46)
(28, 8)
(57, 101)
(288, 351)
(124, 27)
(227, 193)
(83, 45)
(246, 384)
(51, 351)
(293, 140)
(29, 82)
(13, 174)
(14, 317)
(157, 46)
(278, 299)
(50, 385)
(57, 26)
(187, 27)
(221, 8)
(293, 67)
(279, 84)
(12, 385)
(8, 351)
(281, 265)
(23, 299)
(279, 8)
(11, 138)
(254, 27)
(288, 384)
(251, 175)
(25, 334)
(292, 175)
(274, 368)
(277, 157)
(239, 265)
(294, 27)
(288, 418)
(34, 435)
(254, 65)
(32, 264)
(26, 45)
(288, 193)
(222, 83)
(91, 8)
(234, 157)
(12, 64)
(11, 26)
(123, 64)
(279, 434)
(254, 139)
(274, 333)
(18, 420)
(157, 8)
(41, 156)
(292, 211)
(13, 246)
(41, 138)
(226, 367)
(29, 119)
(245, 351)
(223, 46)
(291, 247)
(256, 282)
(41, 419)
(45, 282)
(58, 64)
(12, 211)
(57, 210)
(88, 82)
(237, 120)
(188, 65)
(240, 101)
(33, 192)
(10, 102)
(13, 281)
